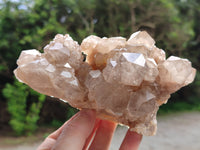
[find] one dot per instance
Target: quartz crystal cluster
(123, 80)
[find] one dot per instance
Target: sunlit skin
(84, 131)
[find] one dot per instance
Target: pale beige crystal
(123, 80)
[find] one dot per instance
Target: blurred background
(31, 24)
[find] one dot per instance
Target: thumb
(75, 132)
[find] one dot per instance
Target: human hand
(84, 131)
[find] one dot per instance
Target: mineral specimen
(123, 80)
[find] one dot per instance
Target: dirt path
(175, 132)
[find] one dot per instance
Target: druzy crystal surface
(123, 80)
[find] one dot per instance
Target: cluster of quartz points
(123, 80)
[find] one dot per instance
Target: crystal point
(141, 38)
(113, 63)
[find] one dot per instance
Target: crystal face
(123, 80)
(135, 58)
(95, 73)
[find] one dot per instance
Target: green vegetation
(26, 24)
(22, 121)
(177, 107)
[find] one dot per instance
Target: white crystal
(67, 65)
(176, 58)
(57, 46)
(141, 38)
(66, 74)
(95, 73)
(69, 38)
(149, 95)
(134, 35)
(46, 47)
(44, 62)
(50, 68)
(113, 63)
(152, 60)
(35, 62)
(135, 58)
(32, 52)
(74, 82)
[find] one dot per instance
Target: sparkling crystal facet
(135, 58)
(95, 73)
(66, 74)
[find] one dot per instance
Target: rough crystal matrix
(123, 80)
